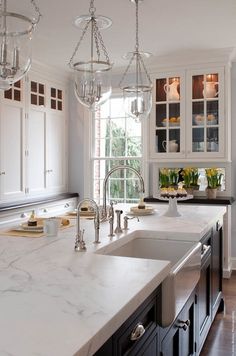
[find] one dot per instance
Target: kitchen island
(55, 301)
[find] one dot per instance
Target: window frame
(89, 131)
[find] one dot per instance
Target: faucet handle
(126, 218)
(79, 241)
(118, 228)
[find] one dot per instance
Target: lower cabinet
(179, 339)
(204, 292)
(139, 335)
(217, 269)
(142, 336)
(209, 289)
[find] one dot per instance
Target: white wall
(76, 144)
(233, 140)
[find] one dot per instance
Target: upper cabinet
(189, 119)
(47, 152)
(12, 145)
(33, 132)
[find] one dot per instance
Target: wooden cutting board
(12, 232)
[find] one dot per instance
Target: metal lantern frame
(88, 89)
(10, 68)
(143, 83)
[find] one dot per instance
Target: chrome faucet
(79, 241)
(117, 168)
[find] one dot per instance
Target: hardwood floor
(221, 340)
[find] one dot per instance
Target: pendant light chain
(138, 94)
(79, 42)
(96, 35)
(127, 69)
(137, 40)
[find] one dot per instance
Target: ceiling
(166, 27)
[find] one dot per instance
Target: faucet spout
(114, 169)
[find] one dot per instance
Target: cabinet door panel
(188, 335)
(171, 344)
(12, 151)
(55, 133)
(150, 348)
(216, 269)
(36, 158)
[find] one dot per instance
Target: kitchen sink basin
(185, 258)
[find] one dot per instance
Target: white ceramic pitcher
(173, 145)
(171, 90)
(209, 90)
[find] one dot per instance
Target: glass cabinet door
(207, 115)
(168, 115)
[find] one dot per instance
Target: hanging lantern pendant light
(92, 77)
(15, 49)
(138, 95)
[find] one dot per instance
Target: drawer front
(132, 335)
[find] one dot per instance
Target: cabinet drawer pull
(137, 332)
(184, 324)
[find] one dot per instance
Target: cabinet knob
(2, 173)
(23, 215)
(66, 205)
(218, 225)
(183, 324)
(137, 332)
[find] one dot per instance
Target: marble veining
(54, 301)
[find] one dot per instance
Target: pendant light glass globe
(16, 32)
(137, 101)
(136, 83)
(92, 83)
(92, 77)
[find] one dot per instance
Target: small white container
(51, 226)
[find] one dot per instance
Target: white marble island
(54, 301)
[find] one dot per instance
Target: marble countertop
(55, 301)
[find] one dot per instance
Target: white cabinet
(33, 133)
(47, 153)
(189, 119)
(36, 152)
(55, 152)
(12, 152)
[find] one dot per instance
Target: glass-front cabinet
(205, 113)
(188, 115)
(168, 114)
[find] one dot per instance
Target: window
(117, 141)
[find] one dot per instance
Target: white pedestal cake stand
(172, 210)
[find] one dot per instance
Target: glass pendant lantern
(92, 77)
(16, 32)
(137, 86)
